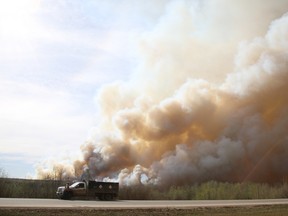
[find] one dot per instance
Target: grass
(268, 210)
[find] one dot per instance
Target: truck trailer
(89, 189)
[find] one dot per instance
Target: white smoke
(209, 100)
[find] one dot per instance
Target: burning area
(208, 100)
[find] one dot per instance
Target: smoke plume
(208, 101)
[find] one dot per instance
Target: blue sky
(54, 57)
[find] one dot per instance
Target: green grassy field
(274, 210)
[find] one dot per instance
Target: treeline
(212, 190)
(27, 188)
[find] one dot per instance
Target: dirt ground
(276, 210)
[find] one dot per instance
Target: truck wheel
(67, 195)
(108, 197)
(101, 197)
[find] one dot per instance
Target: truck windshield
(75, 184)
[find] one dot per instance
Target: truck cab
(78, 188)
(89, 189)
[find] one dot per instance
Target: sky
(54, 57)
(125, 88)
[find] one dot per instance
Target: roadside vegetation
(276, 210)
(212, 190)
(24, 188)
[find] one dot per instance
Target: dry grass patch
(274, 210)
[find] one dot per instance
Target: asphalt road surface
(55, 203)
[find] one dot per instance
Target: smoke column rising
(209, 100)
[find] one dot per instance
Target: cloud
(38, 122)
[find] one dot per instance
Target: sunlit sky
(54, 57)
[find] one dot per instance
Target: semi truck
(89, 189)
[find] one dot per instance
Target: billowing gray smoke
(209, 100)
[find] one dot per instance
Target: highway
(128, 204)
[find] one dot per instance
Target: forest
(211, 190)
